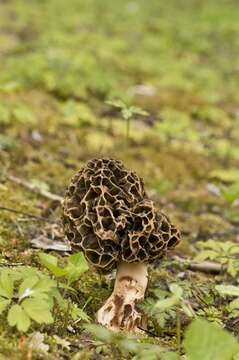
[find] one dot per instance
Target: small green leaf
(126, 113)
(100, 332)
(78, 260)
(225, 175)
(6, 285)
(138, 111)
(209, 244)
(62, 342)
(3, 304)
(43, 286)
(27, 272)
(79, 314)
(55, 293)
(234, 304)
(25, 289)
(116, 103)
(17, 317)
(38, 310)
(176, 290)
(232, 267)
(188, 310)
(50, 262)
(165, 304)
(208, 341)
(228, 290)
(33, 287)
(206, 254)
(77, 265)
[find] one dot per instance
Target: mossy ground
(59, 62)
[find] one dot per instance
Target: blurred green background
(60, 62)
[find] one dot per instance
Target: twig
(207, 267)
(40, 218)
(10, 265)
(204, 266)
(28, 185)
(147, 331)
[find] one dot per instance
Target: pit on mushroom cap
(108, 216)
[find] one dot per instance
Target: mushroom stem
(119, 311)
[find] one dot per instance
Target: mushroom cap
(108, 216)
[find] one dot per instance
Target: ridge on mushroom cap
(107, 215)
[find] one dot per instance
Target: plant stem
(66, 317)
(178, 331)
(127, 129)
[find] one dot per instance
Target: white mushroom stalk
(119, 311)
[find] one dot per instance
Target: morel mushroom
(107, 215)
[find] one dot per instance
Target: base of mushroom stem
(119, 312)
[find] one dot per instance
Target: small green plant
(229, 183)
(225, 253)
(27, 294)
(230, 291)
(168, 305)
(127, 112)
(176, 298)
(76, 266)
(211, 313)
(127, 345)
(203, 340)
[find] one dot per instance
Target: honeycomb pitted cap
(107, 215)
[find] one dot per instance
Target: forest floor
(60, 62)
